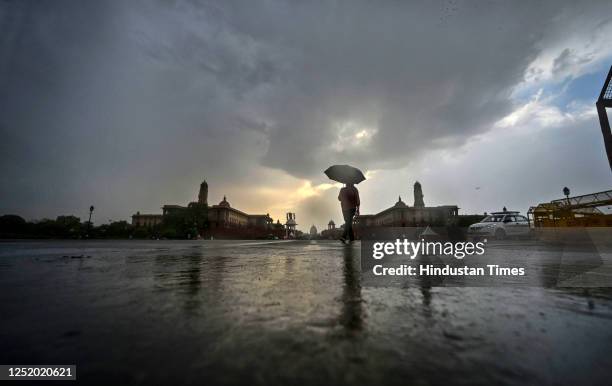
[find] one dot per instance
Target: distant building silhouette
(402, 215)
(223, 215)
(331, 232)
(146, 220)
(220, 216)
(313, 230)
(290, 225)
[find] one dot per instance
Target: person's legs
(351, 234)
(344, 231)
(348, 224)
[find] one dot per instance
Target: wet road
(262, 313)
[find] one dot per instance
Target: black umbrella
(345, 174)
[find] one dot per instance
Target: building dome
(400, 203)
(224, 203)
(313, 230)
(331, 222)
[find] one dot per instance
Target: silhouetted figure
(349, 200)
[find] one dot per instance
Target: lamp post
(91, 209)
(566, 192)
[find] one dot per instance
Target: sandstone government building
(401, 215)
(223, 220)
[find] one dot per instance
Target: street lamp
(566, 191)
(91, 209)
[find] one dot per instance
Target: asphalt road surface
(272, 313)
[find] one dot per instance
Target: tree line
(185, 224)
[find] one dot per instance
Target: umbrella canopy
(345, 174)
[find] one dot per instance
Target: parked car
(501, 225)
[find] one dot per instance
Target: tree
(12, 225)
(119, 229)
(68, 226)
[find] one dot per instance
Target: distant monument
(290, 225)
(418, 195)
(313, 231)
(203, 195)
(331, 232)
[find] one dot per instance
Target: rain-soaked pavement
(269, 313)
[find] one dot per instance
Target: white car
(501, 225)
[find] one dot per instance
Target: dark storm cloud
(130, 104)
(397, 68)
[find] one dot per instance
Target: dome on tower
(224, 203)
(400, 203)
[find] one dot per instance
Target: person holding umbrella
(349, 195)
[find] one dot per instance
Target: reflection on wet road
(224, 312)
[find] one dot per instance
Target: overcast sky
(128, 105)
